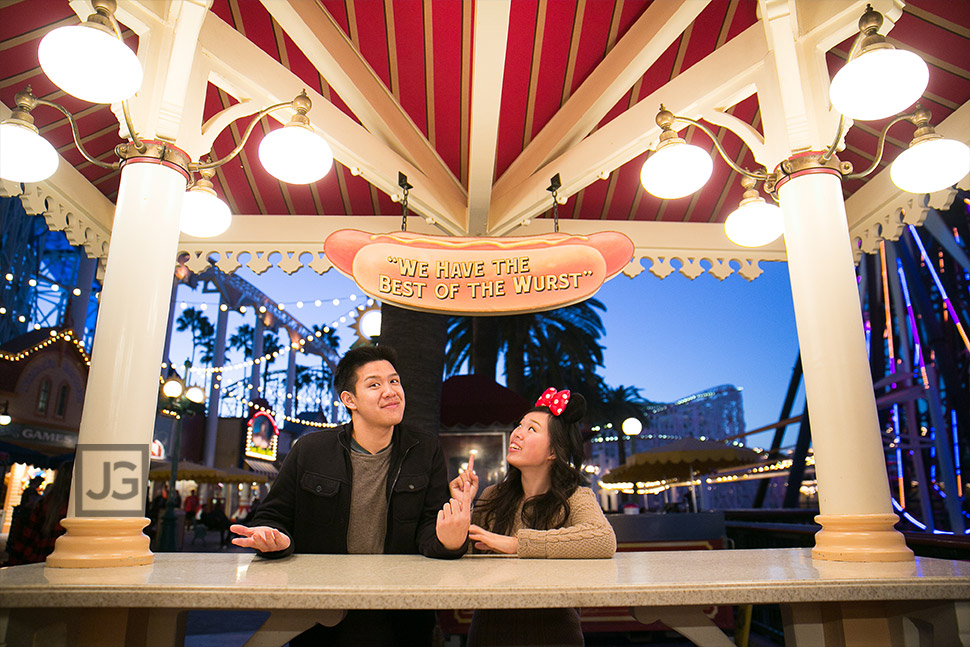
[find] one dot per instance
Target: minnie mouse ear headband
(573, 404)
(555, 400)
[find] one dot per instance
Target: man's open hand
(262, 538)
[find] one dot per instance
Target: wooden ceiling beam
(327, 47)
(735, 66)
(659, 26)
(246, 72)
(488, 72)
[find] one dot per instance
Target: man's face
(378, 397)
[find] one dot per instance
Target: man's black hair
(345, 377)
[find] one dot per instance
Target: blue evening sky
(670, 338)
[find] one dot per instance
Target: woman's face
(529, 444)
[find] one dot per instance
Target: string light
(66, 335)
(277, 415)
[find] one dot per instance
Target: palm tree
(615, 405)
(328, 336)
(203, 333)
(242, 340)
(558, 346)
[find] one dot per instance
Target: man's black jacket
(310, 500)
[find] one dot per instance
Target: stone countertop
(663, 578)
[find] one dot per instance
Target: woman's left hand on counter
(485, 540)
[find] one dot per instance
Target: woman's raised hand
(454, 518)
(468, 477)
(485, 540)
(262, 538)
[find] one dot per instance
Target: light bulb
(632, 426)
(879, 84)
(90, 64)
(203, 214)
(754, 223)
(25, 156)
(195, 394)
(676, 169)
(931, 165)
(295, 154)
(172, 389)
(370, 324)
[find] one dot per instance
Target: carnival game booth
(517, 160)
(42, 379)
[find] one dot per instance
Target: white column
(215, 388)
(122, 390)
(82, 302)
(257, 353)
(290, 376)
(854, 500)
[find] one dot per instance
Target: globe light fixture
(203, 214)
(369, 323)
(25, 156)
(632, 426)
(884, 80)
(931, 163)
(294, 153)
(172, 388)
(755, 222)
(90, 61)
(195, 394)
(677, 168)
(5, 418)
(881, 80)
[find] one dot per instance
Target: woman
(541, 509)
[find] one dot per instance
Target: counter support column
(106, 512)
(856, 514)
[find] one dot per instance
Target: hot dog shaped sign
(478, 276)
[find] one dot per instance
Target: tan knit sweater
(585, 535)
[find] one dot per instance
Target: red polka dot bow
(555, 400)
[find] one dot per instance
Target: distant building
(43, 375)
(714, 414)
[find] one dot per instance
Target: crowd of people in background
(36, 521)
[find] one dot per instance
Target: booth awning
(262, 467)
(187, 471)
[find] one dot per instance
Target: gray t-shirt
(368, 501)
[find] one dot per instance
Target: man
(192, 506)
(370, 486)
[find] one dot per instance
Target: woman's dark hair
(551, 509)
(55, 498)
(345, 377)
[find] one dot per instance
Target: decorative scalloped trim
(693, 265)
(79, 229)
(891, 220)
(228, 259)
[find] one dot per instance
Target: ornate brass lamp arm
(757, 175)
(882, 141)
(106, 10)
(26, 101)
(301, 103)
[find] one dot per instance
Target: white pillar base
(860, 538)
(101, 542)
